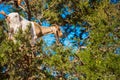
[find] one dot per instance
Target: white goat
(15, 22)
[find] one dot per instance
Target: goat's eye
(15, 15)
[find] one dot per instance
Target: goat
(15, 22)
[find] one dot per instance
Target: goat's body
(48, 30)
(16, 22)
(24, 24)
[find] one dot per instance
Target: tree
(98, 61)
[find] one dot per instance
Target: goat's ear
(3, 13)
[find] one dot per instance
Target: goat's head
(13, 20)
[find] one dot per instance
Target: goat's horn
(3, 13)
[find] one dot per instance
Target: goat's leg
(33, 42)
(34, 37)
(11, 35)
(57, 38)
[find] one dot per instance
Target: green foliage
(97, 62)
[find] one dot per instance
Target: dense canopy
(94, 24)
